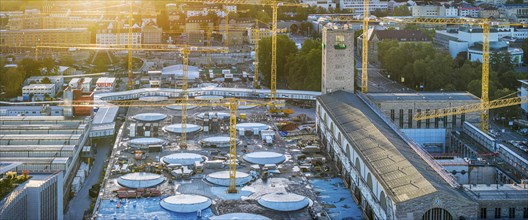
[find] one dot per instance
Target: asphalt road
(81, 202)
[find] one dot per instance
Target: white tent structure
(145, 142)
(284, 201)
(140, 180)
(222, 178)
(185, 203)
(177, 128)
(177, 72)
(264, 157)
(185, 159)
(150, 117)
(239, 216)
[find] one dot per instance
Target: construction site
(150, 165)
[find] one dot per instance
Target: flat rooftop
(11, 148)
(498, 191)
(5, 167)
(404, 174)
(435, 96)
(39, 86)
(105, 115)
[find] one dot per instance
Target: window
(483, 213)
(511, 213)
(392, 114)
(436, 122)
(427, 121)
(497, 212)
(525, 213)
(340, 38)
(462, 118)
(454, 121)
(401, 118)
(410, 119)
(418, 122)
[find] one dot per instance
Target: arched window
(358, 165)
(347, 150)
(383, 201)
(339, 138)
(332, 129)
(437, 214)
(369, 181)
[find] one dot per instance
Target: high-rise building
(40, 197)
(338, 60)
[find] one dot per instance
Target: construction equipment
(231, 104)
(364, 48)
(256, 62)
(486, 106)
(484, 23)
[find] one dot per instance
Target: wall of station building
(366, 190)
(401, 113)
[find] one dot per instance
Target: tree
(505, 112)
(402, 10)
(380, 13)
(285, 48)
(46, 80)
(304, 68)
(524, 46)
(66, 60)
(12, 81)
(475, 87)
(163, 20)
(30, 67)
(501, 62)
(49, 64)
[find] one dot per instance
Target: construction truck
(279, 109)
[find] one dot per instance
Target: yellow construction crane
(364, 48)
(485, 25)
(185, 51)
(483, 106)
(232, 104)
(274, 4)
(129, 45)
(256, 62)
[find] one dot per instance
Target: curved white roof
(209, 97)
(264, 157)
(284, 201)
(217, 140)
(153, 98)
(222, 178)
(144, 142)
(177, 128)
(183, 158)
(251, 126)
(179, 107)
(221, 115)
(222, 79)
(150, 117)
(177, 70)
(243, 107)
(185, 203)
(140, 180)
(239, 216)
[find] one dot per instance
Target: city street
(81, 202)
